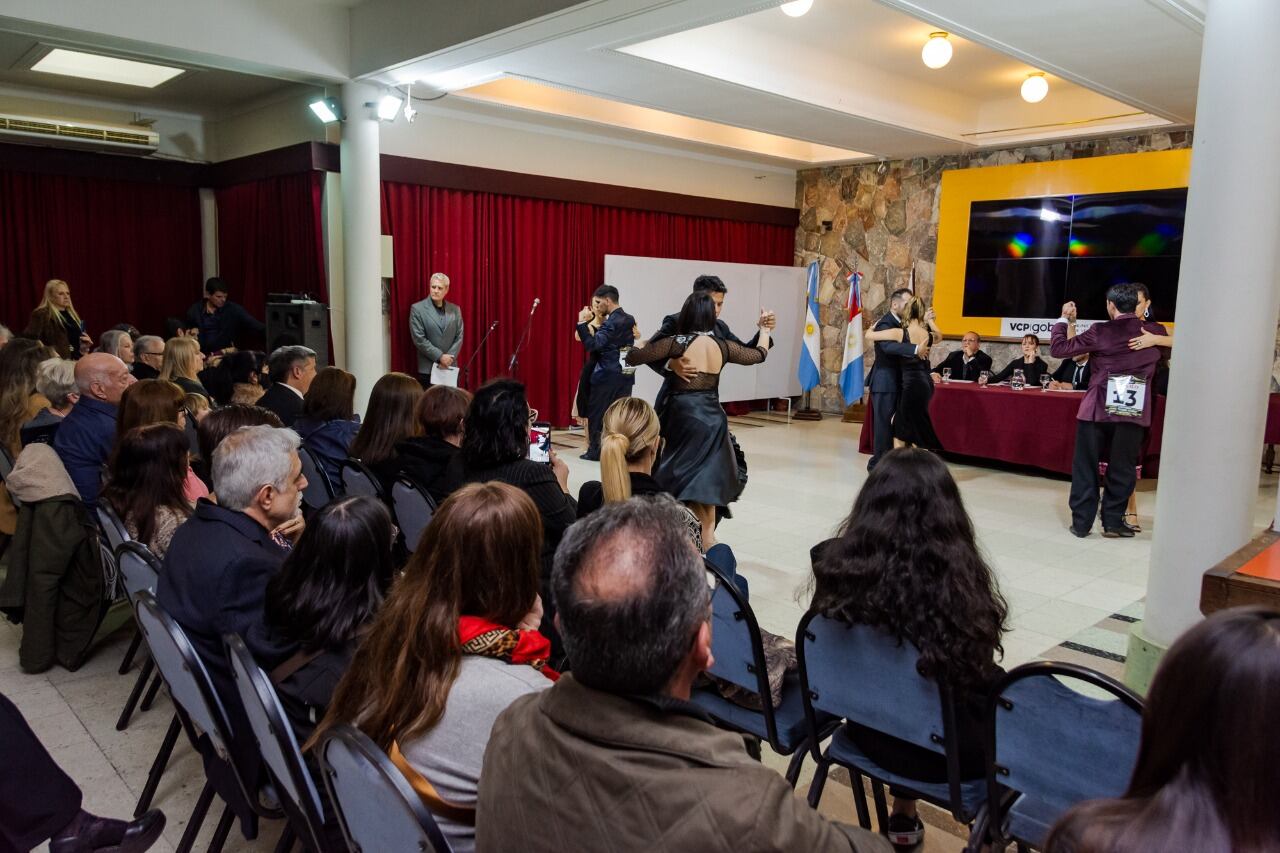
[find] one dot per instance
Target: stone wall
(884, 218)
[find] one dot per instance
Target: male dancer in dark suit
(886, 377)
(610, 379)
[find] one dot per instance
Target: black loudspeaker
(307, 323)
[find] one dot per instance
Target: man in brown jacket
(614, 757)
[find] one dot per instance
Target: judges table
(1029, 427)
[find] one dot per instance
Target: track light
(389, 106)
(328, 110)
(409, 112)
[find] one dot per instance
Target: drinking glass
(946, 374)
(1045, 379)
(983, 377)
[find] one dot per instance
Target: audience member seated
(1031, 364)
(629, 446)
(87, 434)
(183, 362)
(389, 420)
(20, 397)
(244, 367)
(431, 458)
(614, 756)
(220, 423)
(966, 363)
(197, 407)
(56, 382)
(130, 330)
(328, 423)
(158, 401)
(320, 604)
(54, 322)
(292, 368)
(926, 584)
(455, 643)
(118, 343)
(148, 357)
(146, 484)
(1072, 374)
(496, 447)
(1205, 779)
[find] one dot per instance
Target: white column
(333, 259)
(361, 229)
(1227, 304)
(209, 241)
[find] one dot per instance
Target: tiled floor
(803, 478)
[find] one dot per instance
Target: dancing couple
(900, 384)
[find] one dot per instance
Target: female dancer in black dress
(912, 426)
(698, 465)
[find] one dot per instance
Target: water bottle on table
(1018, 381)
(1045, 379)
(946, 374)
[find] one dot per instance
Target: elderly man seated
(85, 438)
(966, 363)
(614, 756)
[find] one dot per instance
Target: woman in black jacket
(432, 459)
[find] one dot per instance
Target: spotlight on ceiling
(409, 112)
(937, 50)
(389, 106)
(327, 110)
(1034, 88)
(796, 8)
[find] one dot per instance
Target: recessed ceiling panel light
(796, 8)
(1034, 88)
(109, 69)
(937, 50)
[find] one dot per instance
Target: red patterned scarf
(487, 639)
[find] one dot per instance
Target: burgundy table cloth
(1029, 427)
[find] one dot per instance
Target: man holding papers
(436, 329)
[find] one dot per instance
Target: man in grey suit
(886, 377)
(436, 328)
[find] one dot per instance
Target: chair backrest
(413, 509)
(359, 480)
(6, 468)
(868, 677)
(375, 804)
(277, 743)
(319, 490)
(139, 568)
(112, 527)
(1058, 746)
(183, 672)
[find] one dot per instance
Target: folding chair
(357, 479)
(279, 748)
(413, 508)
(376, 806)
(1050, 747)
(869, 678)
(319, 490)
(739, 659)
(140, 570)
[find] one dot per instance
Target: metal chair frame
(362, 470)
(316, 479)
(409, 483)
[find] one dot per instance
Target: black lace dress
(698, 464)
(911, 423)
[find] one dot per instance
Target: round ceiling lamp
(1034, 88)
(936, 51)
(796, 8)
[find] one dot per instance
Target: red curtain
(271, 239)
(502, 251)
(129, 250)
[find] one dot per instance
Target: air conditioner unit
(64, 133)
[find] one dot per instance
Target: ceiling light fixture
(108, 69)
(328, 110)
(1035, 87)
(389, 106)
(937, 50)
(409, 112)
(796, 8)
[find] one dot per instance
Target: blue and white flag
(851, 378)
(811, 352)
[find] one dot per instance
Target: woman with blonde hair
(454, 644)
(912, 426)
(55, 323)
(629, 447)
(182, 364)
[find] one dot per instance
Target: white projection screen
(651, 288)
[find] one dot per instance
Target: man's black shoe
(88, 833)
(1124, 532)
(589, 457)
(1079, 533)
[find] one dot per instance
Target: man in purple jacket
(1115, 410)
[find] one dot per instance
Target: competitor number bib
(1126, 396)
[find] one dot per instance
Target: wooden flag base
(806, 415)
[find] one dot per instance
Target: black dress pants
(603, 393)
(883, 406)
(1125, 441)
(36, 798)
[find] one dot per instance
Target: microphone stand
(524, 336)
(466, 370)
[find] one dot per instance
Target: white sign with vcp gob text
(1016, 327)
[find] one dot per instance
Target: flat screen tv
(1028, 256)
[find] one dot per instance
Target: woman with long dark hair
(388, 421)
(453, 646)
(321, 603)
(906, 561)
(20, 363)
(328, 423)
(699, 466)
(244, 369)
(1207, 770)
(432, 458)
(145, 483)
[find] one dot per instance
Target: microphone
(536, 303)
(494, 326)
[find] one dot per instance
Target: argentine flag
(811, 352)
(851, 378)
